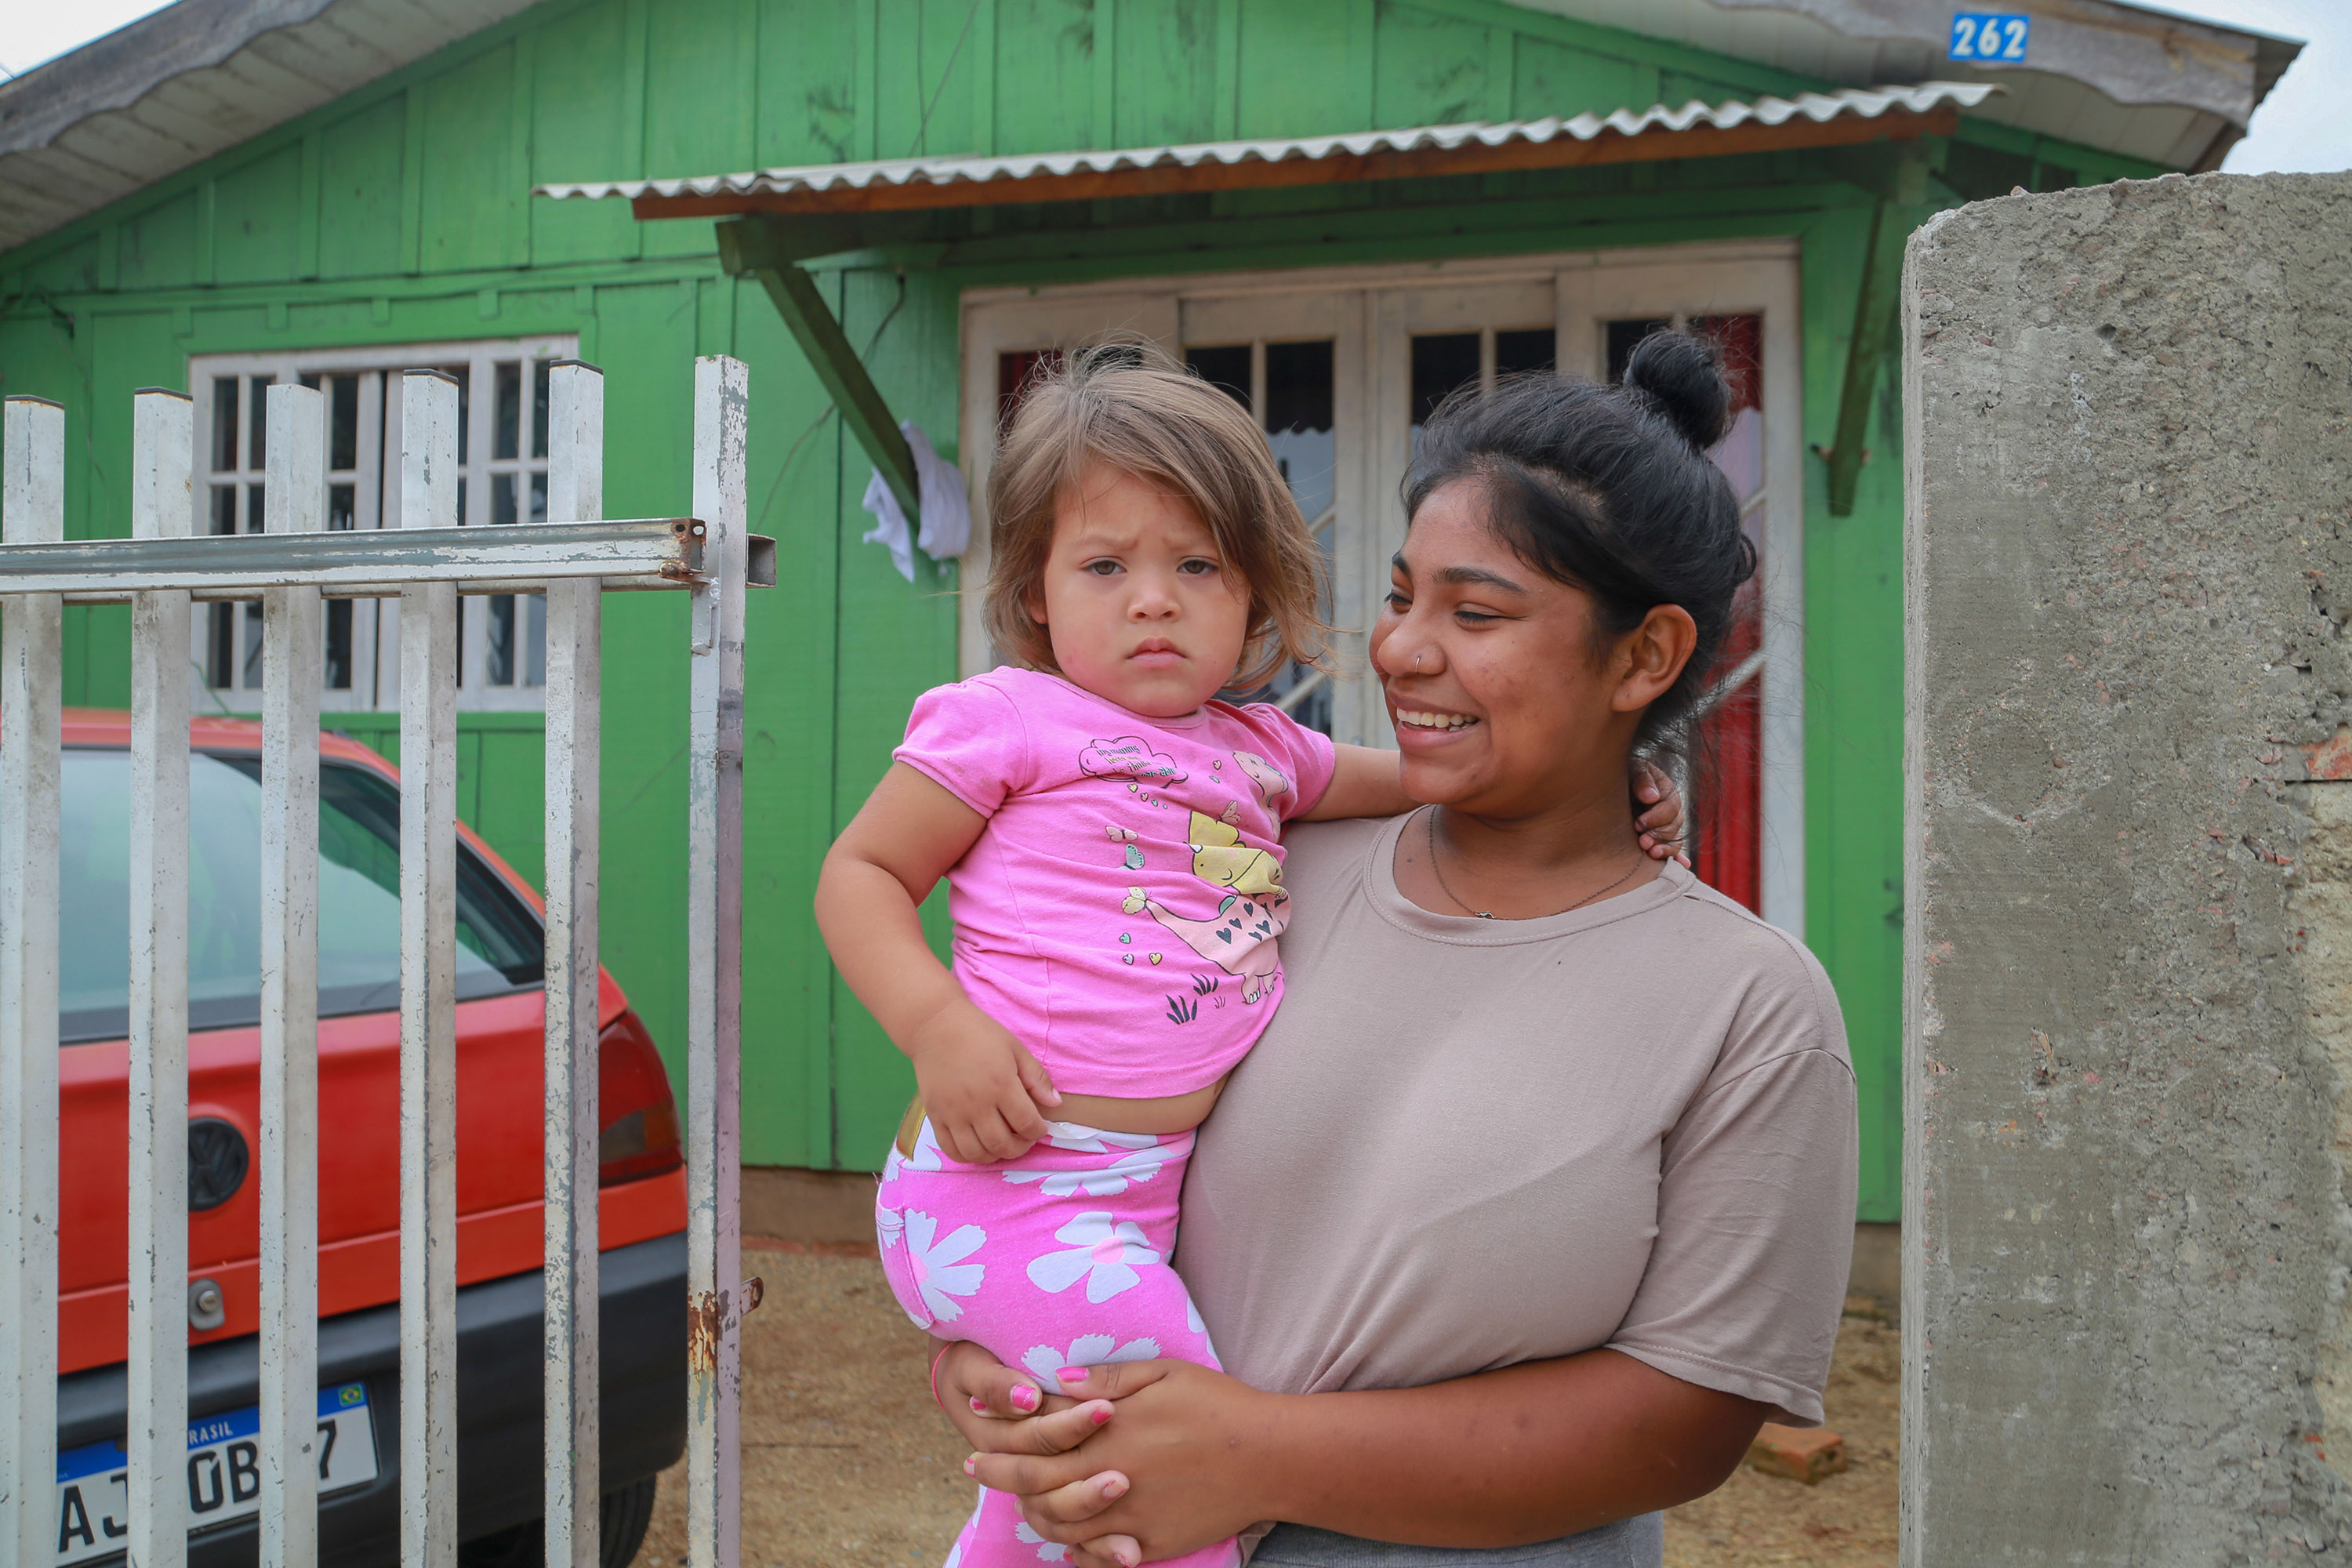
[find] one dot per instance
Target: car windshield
(500, 947)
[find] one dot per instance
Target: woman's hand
(1000, 1410)
(1661, 826)
(1175, 1460)
(1180, 1456)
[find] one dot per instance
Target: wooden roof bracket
(1901, 185)
(768, 248)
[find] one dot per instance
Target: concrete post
(2128, 888)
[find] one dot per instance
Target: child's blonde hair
(1123, 403)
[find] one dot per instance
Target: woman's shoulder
(1340, 845)
(1786, 1001)
(1325, 867)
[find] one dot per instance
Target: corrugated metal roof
(192, 80)
(201, 76)
(1860, 103)
(2135, 78)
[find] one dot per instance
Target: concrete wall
(2128, 912)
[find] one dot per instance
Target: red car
(500, 1011)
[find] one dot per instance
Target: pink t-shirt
(1120, 912)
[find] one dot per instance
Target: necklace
(1437, 867)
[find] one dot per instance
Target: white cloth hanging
(939, 491)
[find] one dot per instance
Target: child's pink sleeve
(1306, 755)
(969, 740)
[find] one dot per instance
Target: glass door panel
(1340, 368)
(1430, 340)
(1724, 776)
(1291, 389)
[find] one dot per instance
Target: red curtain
(1013, 371)
(1726, 775)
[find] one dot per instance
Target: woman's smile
(1430, 719)
(1428, 733)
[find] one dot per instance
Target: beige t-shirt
(1466, 1143)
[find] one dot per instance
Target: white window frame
(1372, 312)
(375, 628)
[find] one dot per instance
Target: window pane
(220, 644)
(252, 677)
(502, 499)
(539, 408)
(344, 423)
(255, 512)
(224, 517)
(507, 419)
(258, 418)
(1226, 368)
(498, 641)
(1519, 352)
(1440, 363)
(342, 506)
(462, 516)
(500, 944)
(339, 645)
(539, 497)
(224, 424)
(534, 640)
(1298, 420)
(1625, 335)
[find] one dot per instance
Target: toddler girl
(1112, 838)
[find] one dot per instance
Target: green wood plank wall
(399, 214)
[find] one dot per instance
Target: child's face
(1137, 599)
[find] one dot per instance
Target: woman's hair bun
(1682, 375)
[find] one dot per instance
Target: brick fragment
(1798, 1453)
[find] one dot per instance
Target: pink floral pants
(1057, 1260)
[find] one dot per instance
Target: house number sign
(1990, 35)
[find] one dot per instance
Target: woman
(1535, 1199)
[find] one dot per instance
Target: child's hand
(986, 1096)
(1662, 824)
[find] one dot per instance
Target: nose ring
(1417, 661)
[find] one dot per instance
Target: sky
(2302, 126)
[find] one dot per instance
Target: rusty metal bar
(292, 625)
(428, 992)
(575, 489)
(291, 568)
(375, 561)
(162, 465)
(32, 507)
(714, 925)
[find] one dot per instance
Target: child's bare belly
(1175, 1113)
(1105, 1114)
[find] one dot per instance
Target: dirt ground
(1848, 1520)
(845, 1462)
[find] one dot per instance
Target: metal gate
(291, 568)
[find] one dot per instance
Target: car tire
(625, 1514)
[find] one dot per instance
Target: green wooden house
(1339, 209)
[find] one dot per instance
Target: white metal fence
(290, 568)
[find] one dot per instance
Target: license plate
(224, 1473)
